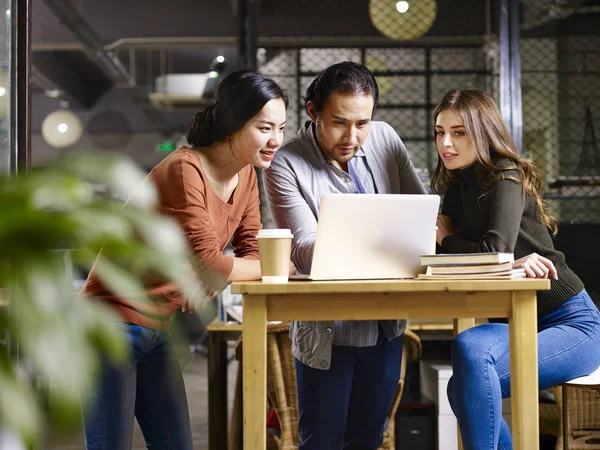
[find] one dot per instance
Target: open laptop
(373, 236)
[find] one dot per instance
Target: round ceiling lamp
(61, 129)
(403, 20)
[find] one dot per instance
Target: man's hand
(536, 266)
(292, 268)
(445, 228)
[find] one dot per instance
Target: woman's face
(262, 135)
(453, 145)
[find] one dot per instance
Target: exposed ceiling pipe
(51, 89)
(93, 47)
(106, 60)
(173, 42)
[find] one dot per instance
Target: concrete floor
(196, 383)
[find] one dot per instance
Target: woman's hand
(197, 302)
(292, 268)
(536, 266)
(445, 228)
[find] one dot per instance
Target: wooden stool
(587, 414)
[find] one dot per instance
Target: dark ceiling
(90, 46)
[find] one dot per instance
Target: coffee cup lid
(275, 233)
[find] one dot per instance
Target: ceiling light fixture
(415, 19)
(402, 7)
(61, 129)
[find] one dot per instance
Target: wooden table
(391, 299)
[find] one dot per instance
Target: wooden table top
(378, 286)
(218, 325)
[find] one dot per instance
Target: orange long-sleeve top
(208, 223)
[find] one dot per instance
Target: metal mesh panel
(560, 58)
(416, 50)
(560, 61)
(409, 87)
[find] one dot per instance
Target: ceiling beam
(93, 46)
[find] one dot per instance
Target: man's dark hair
(346, 78)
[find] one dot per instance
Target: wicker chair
(282, 391)
(581, 416)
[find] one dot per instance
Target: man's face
(342, 126)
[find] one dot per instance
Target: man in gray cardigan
(347, 371)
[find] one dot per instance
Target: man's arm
(290, 210)
(409, 179)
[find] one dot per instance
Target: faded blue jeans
(568, 347)
(150, 388)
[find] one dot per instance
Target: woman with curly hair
(493, 203)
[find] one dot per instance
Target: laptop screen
(373, 236)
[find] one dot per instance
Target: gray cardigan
(299, 175)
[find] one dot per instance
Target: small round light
(61, 129)
(402, 7)
(213, 74)
(220, 58)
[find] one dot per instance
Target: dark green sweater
(503, 220)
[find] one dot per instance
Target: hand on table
(536, 266)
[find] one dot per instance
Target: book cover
(469, 268)
(466, 258)
(508, 275)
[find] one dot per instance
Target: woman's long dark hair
(240, 96)
(492, 142)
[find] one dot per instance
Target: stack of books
(470, 266)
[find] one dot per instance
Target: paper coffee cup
(275, 249)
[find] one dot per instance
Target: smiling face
(453, 145)
(342, 126)
(257, 142)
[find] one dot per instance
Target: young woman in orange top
(211, 189)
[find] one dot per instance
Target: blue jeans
(347, 405)
(149, 387)
(568, 347)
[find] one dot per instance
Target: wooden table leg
(255, 371)
(461, 325)
(524, 371)
(217, 391)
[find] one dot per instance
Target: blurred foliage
(53, 220)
